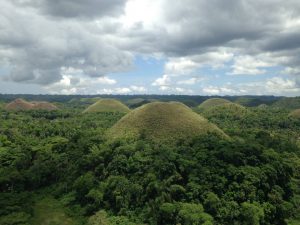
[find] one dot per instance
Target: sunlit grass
(107, 105)
(49, 211)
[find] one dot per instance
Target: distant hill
(295, 114)
(189, 100)
(107, 105)
(44, 106)
(252, 101)
(85, 100)
(262, 106)
(287, 103)
(227, 110)
(137, 102)
(212, 102)
(21, 104)
(163, 122)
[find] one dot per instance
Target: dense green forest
(62, 167)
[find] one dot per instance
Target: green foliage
(287, 103)
(193, 214)
(252, 213)
(101, 218)
(15, 218)
(184, 213)
(254, 101)
(49, 211)
(57, 167)
(226, 111)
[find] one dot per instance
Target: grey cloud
(25, 73)
(202, 24)
(76, 8)
(283, 42)
(196, 26)
(41, 47)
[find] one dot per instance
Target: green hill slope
(107, 105)
(212, 102)
(227, 110)
(163, 122)
(288, 103)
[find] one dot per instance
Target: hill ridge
(21, 104)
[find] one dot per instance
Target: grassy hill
(44, 106)
(212, 102)
(227, 110)
(288, 103)
(262, 106)
(295, 114)
(163, 122)
(252, 101)
(21, 104)
(85, 100)
(107, 105)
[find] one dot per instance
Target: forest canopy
(62, 167)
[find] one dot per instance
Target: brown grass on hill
(44, 106)
(212, 102)
(227, 110)
(295, 114)
(21, 104)
(262, 106)
(163, 122)
(107, 105)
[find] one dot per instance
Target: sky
(187, 47)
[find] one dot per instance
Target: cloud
(284, 85)
(214, 90)
(177, 66)
(105, 80)
(190, 81)
(162, 81)
(79, 85)
(183, 31)
(177, 90)
(41, 48)
(75, 8)
(284, 41)
(180, 66)
(192, 26)
(272, 86)
(123, 90)
(248, 65)
(164, 88)
(183, 91)
(138, 88)
(41, 39)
